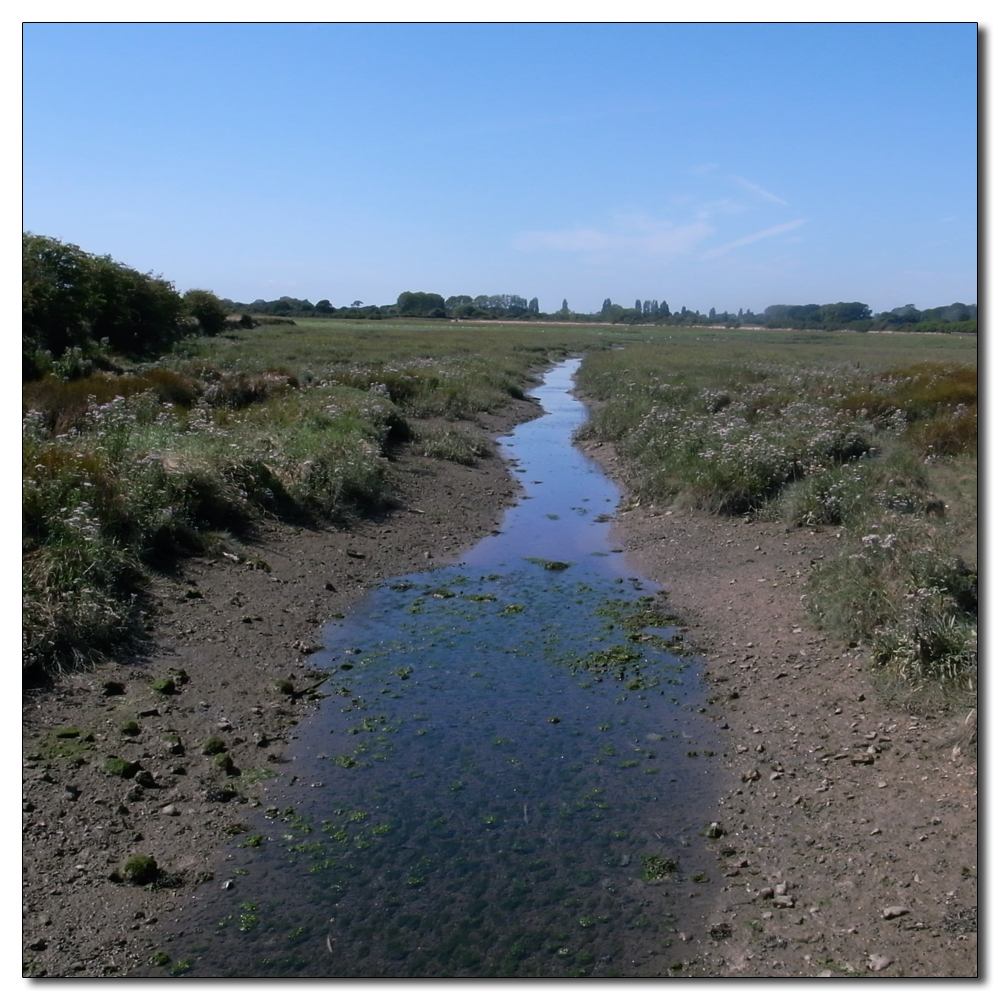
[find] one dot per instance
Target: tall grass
(775, 428)
(127, 470)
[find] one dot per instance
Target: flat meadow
(129, 468)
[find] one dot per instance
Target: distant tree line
(80, 306)
(426, 305)
(956, 318)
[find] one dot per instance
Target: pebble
(879, 962)
(891, 912)
(170, 810)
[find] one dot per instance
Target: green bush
(207, 309)
(71, 298)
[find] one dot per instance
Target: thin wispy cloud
(743, 241)
(633, 233)
(758, 190)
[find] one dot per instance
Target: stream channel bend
(508, 776)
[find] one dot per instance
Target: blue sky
(707, 165)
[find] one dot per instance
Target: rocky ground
(851, 844)
(850, 837)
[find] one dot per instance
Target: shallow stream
(508, 775)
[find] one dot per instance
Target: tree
(325, 306)
(428, 304)
(59, 297)
(533, 306)
(71, 298)
(207, 309)
(838, 313)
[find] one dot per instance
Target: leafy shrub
(207, 309)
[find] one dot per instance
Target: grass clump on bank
(881, 447)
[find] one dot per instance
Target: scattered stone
(170, 810)
(879, 962)
(891, 912)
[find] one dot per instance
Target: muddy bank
(851, 846)
(231, 639)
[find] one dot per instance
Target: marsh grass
(128, 468)
(452, 444)
(876, 435)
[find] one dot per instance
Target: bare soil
(850, 837)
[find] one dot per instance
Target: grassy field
(126, 472)
(872, 435)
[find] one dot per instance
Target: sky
(726, 166)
